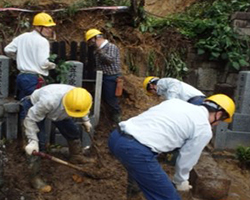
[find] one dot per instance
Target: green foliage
(243, 155)
(62, 70)
(130, 59)
(147, 25)
(7, 4)
(175, 66)
(208, 24)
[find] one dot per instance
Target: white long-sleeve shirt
(170, 125)
(47, 102)
(172, 88)
(32, 51)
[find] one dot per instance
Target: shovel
(57, 160)
(49, 157)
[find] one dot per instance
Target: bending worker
(107, 58)
(172, 88)
(59, 103)
(171, 124)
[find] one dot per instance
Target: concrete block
(241, 122)
(11, 126)
(219, 139)
(208, 180)
(236, 138)
(4, 76)
(11, 107)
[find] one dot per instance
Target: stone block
(239, 23)
(205, 78)
(241, 122)
(236, 138)
(219, 139)
(243, 31)
(11, 126)
(241, 16)
(224, 89)
(4, 76)
(208, 180)
(232, 79)
(75, 73)
(11, 107)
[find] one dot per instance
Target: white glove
(87, 125)
(49, 65)
(184, 186)
(32, 146)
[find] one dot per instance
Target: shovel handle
(47, 156)
(42, 155)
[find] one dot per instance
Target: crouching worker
(171, 88)
(59, 103)
(172, 124)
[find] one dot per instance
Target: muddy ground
(106, 179)
(109, 181)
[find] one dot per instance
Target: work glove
(184, 186)
(49, 65)
(87, 125)
(32, 146)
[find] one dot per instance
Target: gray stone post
(4, 76)
(75, 73)
(238, 132)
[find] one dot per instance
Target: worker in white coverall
(171, 88)
(59, 103)
(171, 124)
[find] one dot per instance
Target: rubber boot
(76, 153)
(132, 188)
(35, 179)
(116, 117)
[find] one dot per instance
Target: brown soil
(109, 182)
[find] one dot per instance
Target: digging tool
(94, 145)
(94, 175)
(96, 148)
(49, 157)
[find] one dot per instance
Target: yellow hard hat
(148, 80)
(43, 19)
(77, 102)
(92, 33)
(224, 102)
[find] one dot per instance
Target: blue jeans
(108, 88)
(142, 165)
(67, 127)
(25, 86)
